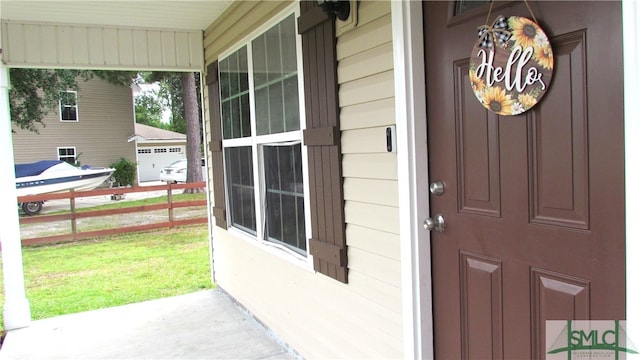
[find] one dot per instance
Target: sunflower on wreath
(477, 84)
(497, 100)
(526, 33)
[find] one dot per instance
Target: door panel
(481, 297)
(534, 204)
(478, 158)
(559, 144)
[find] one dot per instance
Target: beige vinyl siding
(360, 190)
(317, 316)
(372, 114)
(372, 166)
(100, 47)
(105, 121)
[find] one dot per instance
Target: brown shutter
(322, 137)
(215, 146)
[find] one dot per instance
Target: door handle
(436, 223)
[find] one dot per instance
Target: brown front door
(534, 204)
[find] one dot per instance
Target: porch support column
(16, 311)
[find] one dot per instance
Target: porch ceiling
(169, 14)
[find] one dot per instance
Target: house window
(67, 154)
(69, 106)
(262, 138)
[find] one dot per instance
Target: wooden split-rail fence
(74, 215)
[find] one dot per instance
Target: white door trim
(631, 47)
(411, 132)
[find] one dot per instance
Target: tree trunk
(194, 165)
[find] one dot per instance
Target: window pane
(67, 154)
(234, 95)
(275, 79)
(276, 111)
(262, 111)
(68, 98)
(288, 39)
(285, 196)
(243, 73)
(274, 216)
(274, 60)
(69, 113)
(463, 6)
(236, 119)
(223, 69)
(68, 106)
(226, 119)
(239, 167)
(291, 106)
(259, 61)
(245, 115)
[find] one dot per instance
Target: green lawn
(92, 274)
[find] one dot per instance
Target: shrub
(125, 173)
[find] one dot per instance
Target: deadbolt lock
(437, 188)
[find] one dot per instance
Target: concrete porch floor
(202, 325)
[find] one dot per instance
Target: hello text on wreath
(511, 65)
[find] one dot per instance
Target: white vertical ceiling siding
(164, 14)
(89, 46)
(64, 44)
(80, 37)
(169, 48)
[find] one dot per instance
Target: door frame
(413, 195)
(413, 184)
(631, 57)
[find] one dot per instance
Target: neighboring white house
(156, 148)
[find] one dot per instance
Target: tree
(180, 92)
(149, 111)
(172, 94)
(192, 120)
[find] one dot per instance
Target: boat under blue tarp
(36, 168)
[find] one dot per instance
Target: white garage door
(152, 159)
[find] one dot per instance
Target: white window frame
(256, 141)
(75, 153)
(60, 107)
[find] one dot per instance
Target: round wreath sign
(511, 65)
